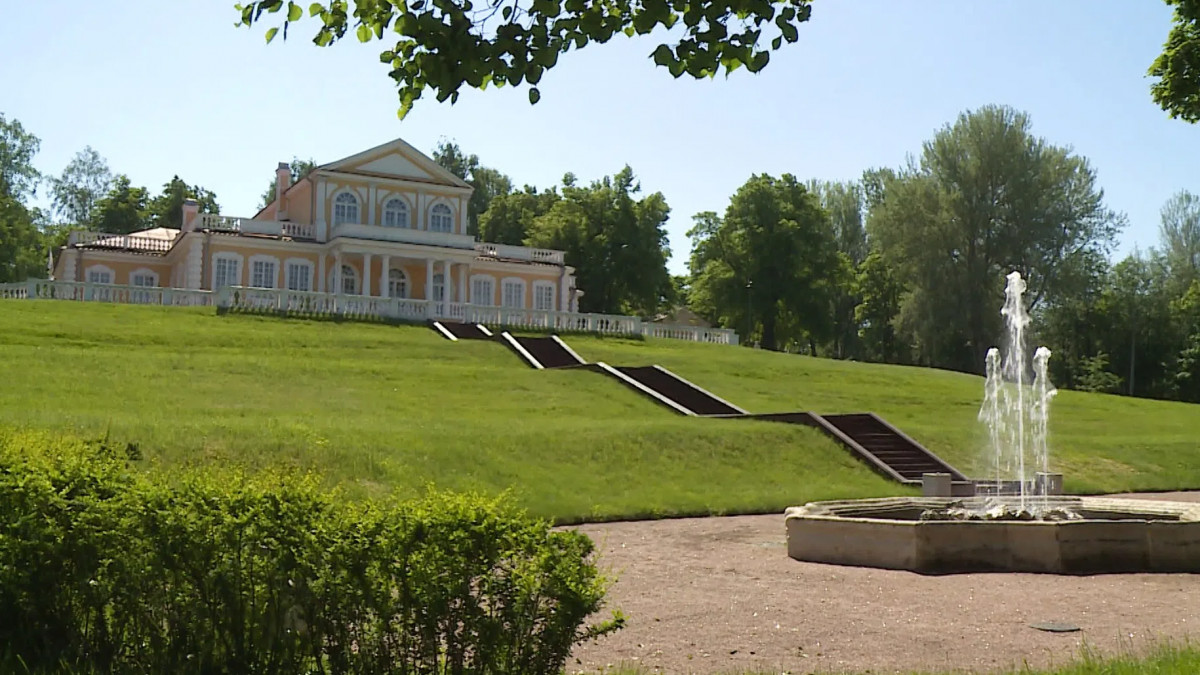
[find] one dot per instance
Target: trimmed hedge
(110, 569)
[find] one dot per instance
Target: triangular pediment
(397, 159)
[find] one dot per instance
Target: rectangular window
(543, 298)
(145, 280)
(482, 292)
(262, 274)
(299, 277)
(514, 294)
(98, 277)
(226, 273)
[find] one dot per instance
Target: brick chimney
(190, 210)
(283, 180)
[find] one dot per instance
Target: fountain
(1015, 521)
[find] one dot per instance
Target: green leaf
(315, 9)
(506, 12)
(271, 34)
(534, 95)
(758, 62)
(777, 42)
(663, 56)
(364, 33)
(294, 12)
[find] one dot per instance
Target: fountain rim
(858, 510)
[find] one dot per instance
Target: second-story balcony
(273, 228)
(403, 235)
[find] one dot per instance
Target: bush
(108, 569)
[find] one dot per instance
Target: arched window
(395, 213)
(397, 284)
(345, 208)
(441, 219)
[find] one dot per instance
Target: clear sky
(163, 88)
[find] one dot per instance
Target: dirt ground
(720, 595)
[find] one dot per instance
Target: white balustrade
(274, 228)
(506, 252)
(309, 303)
(120, 241)
(723, 336)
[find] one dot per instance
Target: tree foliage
(83, 183)
(1177, 89)
(299, 168)
(986, 197)
(445, 44)
(124, 209)
(771, 261)
(166, 210)
(509, 216)
(1179, 233)
(487, 183)
(22, 252)
(616, 242)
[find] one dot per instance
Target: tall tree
(1177, 89)
(487, 183)
(299, 169)
(166, 210)
(21, 247)
(845, 202)
(616, 242)
(508, 217)
(773, 254)
(1179, 234)
(448, 44)
(986, 197)
(83, 183)
(124, 209)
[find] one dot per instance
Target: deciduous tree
(83, 183)
(446, 44)
(775, 254)
(166, 210)
(986, 197)
(21, 246)
(1177, 69)
(616, 242)
(487, 183)
(1179, 234)
(508, 217)
(124, 209)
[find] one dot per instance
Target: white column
(322, 234)
(562, 293)
(338, 284)
(371, 205)
(419, 217)
(320, 285)
(383, 275)
(366, 274)
(428, 279)
(448, 285)
(462, 283)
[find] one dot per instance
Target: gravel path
(720, 595)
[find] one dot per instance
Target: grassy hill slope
(380, 408)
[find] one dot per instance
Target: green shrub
(107, 568)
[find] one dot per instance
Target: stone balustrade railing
(276, 228)
(120, 241)
(40, 289)
(506, 252)
(309, 303)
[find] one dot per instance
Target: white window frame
(144, 272)
(236, 259)
(538, 287)
(99, 269)
(504, 286)
(449, 217)
(287, 273)
(405, 211)
(475, 299)
(357, 208)
(262, 258)
(403, 277)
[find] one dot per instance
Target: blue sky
(164, 88)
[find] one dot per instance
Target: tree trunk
(768, 330)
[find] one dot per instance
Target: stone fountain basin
(1115, 535)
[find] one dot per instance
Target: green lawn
(379, 408)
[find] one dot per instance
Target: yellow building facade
(385, 223)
